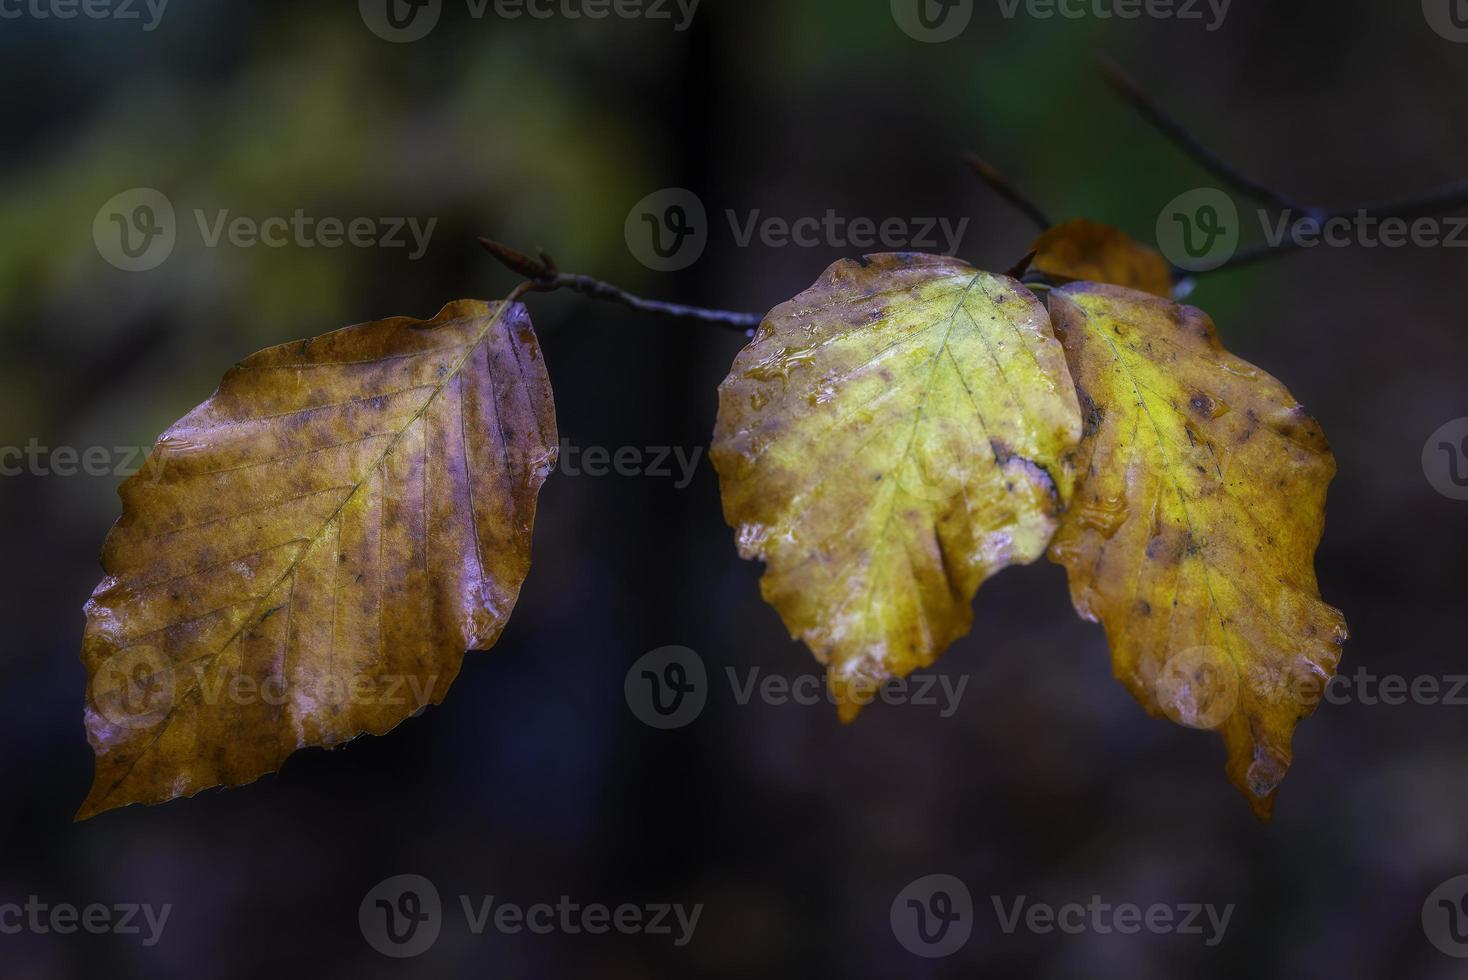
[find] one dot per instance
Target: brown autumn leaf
(310, 552)
(888, 440)
(1200, 500)
(1090, 251)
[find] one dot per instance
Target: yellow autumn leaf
(1088, 250)
(1199, 503)
(307, 555)
(888, 440)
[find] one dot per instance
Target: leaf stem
(541, 275)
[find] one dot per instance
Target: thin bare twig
(1175, 131)
(1001, 185)
(1446, 197)
(541, 275)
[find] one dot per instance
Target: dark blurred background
(535, 780)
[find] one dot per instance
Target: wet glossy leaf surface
(1199, 503)
(887, 441)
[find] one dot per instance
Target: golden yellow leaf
(308, 554)
(888, 440)
(1088, 250)
(1200, 500)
